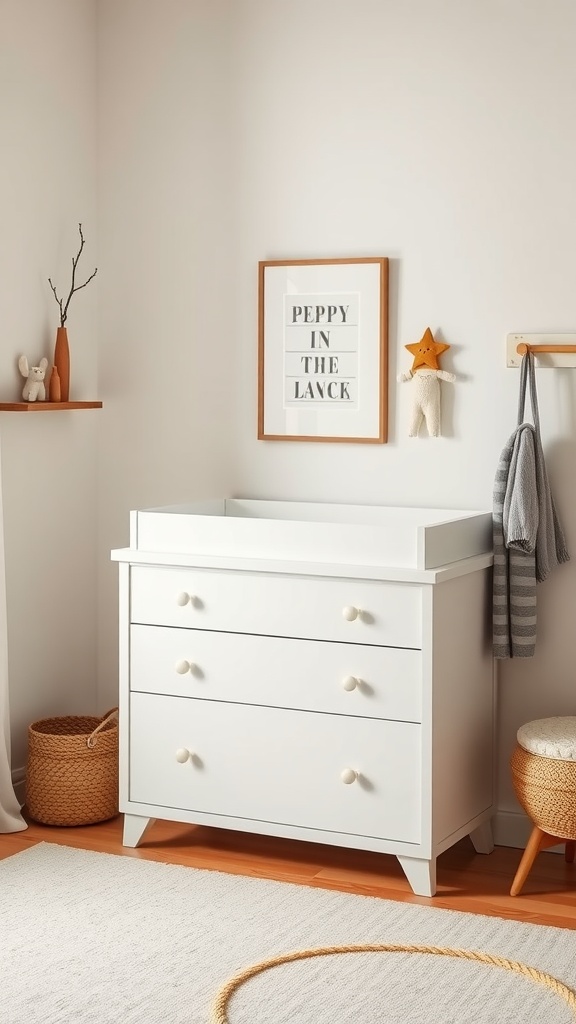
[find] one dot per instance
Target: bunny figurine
(34, 389)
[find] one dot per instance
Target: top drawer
(353, 611)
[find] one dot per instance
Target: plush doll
(34, 388)
(426, 376)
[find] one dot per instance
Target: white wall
(435, 132)
(47, 186)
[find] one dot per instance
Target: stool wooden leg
(538, 838)
(569, 851)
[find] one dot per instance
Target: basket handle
(91, 741)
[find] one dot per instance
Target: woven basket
(546, 789)
(72, 770)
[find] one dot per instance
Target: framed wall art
(323, 350)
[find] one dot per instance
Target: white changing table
(314, 671)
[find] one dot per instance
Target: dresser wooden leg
(421, 874)
(135, 828)
(482, 839)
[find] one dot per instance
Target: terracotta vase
(54, 388)
(62, 362)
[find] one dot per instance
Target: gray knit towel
(529, 519)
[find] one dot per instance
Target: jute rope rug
(219, 1008)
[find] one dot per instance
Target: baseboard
(19, 784)
(512, 828)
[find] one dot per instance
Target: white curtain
(10, 818)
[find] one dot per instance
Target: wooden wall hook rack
(550, 350)
(523, 348)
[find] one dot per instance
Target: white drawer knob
(182, 755)
(182, 667)
(350, 613)
(348, 776)
(182, 598)
(350, 683)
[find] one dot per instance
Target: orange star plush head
(426, 352)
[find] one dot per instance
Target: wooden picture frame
(323, 350)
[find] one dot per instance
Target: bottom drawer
(273, 764)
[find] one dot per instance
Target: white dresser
(320, 672)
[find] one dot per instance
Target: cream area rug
(92, 938)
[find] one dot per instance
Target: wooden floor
(466, 880)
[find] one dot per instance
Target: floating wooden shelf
(46, 406)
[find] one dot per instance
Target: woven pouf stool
(543, 769)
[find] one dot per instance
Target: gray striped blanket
(528, 542)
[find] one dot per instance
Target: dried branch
(59, 301)
(63, 306)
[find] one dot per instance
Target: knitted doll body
(426, 400)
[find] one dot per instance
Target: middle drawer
(310, 675)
